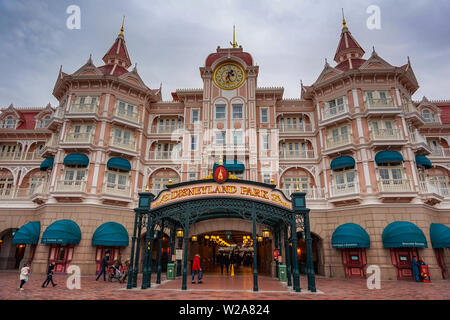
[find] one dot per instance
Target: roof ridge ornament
(344, 23)
(234, 44)
(121, 29)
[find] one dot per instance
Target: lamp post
(179, 233)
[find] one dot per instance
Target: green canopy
(232, 165)
(62, 232)
(76, 159)
(110, 234)
(46, 164)
(28, 233)
(119, 163)
(439, 235)
(350, 235)
(423, 161)
(388, 156)
(342, 162)
(403, 234)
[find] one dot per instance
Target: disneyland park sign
(239, 189)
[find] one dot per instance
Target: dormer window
(9, 123)
(428, 116)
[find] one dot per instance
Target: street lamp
(266, 233)
(180, 233)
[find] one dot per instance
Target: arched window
(10, 123)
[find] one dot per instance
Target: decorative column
(136, 261)
(158, 277)
(186, 241)
(255, 252)
(133, 242)
(309, 258)
(288, 261)
(148, 251)
(171, 242)
(296, 277)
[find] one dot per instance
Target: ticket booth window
(401, 259)
(354, 261)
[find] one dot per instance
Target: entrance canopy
(62, 232)
(110, 234)
(440, 235)
(28, 233)
(403, 234)
(350, 235)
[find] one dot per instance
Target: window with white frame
(380, 97)
(220, 111)
(80, 131)
(266, 178)
(265, 141)
(9, 123)
(336, 106)
(237, 111)
(195, 116)
(74, 174)
(117, 179)
(6, 186)
(126, 110)
(428, 116)
(442, 183)
(391, 173)
(220, 138)
(238, 137)
(383, 126)
(158, 184)
(344, 178)
(193, 142)
(290, 184)
(264, 115)
(192, 176)
(340, 134)
(123, 137)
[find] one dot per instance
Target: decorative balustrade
(71, 185)
(165, 155)
(386, 103)
(23, 193)
(117, 189)
(165, 129)
(416, 137)
(314, 193)
(122, 143)
(42, 124)
(297, 154)
(440, 153)
(433, 187)
(344, 189)
(21, 156)
(127, 115)
(385, 134)
(74, 137)
(337, 141)
(394, 185)
(84, 108)
(284, 128)
(334, 111)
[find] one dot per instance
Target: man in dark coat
(220, 258)
(103, 266)
(415, 268)
(49, 279)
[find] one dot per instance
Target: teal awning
(119, 163)
(423, 161)
(350, 235)
(232, 165)
(110, 234)
(28, 233)
(439, 235)
(46, 164)
(62, 232)
(388, 156)
(77, 159)
(403, 234)
(342, 162)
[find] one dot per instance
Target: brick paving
(216, 287)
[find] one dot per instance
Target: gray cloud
(170, 40)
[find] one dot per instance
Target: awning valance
(440, 235)
(119, 163)
(110, 234)
(62, 232)
(76, 159)
(46, 164)
(423, 161)
(28, 233)
(402, 234)
(388, 156)
(232, 165)
(342, 162)
(350, 235)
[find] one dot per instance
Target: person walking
(226, 259)
(103, 266)
(49, 279)
(220, 259)
(196, 269)
(415, 268)
(24, 274)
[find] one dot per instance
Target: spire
(118, 53)
(348, 48)
(234, 43)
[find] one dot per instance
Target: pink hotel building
(375, 164)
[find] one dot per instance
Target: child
(24, 273)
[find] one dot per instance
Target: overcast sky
(170, 40)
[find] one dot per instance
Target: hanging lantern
(266, 233)
(180, 233)
(194, 238)
(260, 239)
(206, 236)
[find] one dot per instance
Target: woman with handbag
(24, 273)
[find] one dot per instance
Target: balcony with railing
(294, 128)
(116, 192)
(434, 191)
(165, 155)
(395, 189)
(440, 153)
(382, 103)
(129, 116)
(122, 143)
(345, 192)
(23, 193)
(385, 134)
(42, 124)
(164, 129)
(83, 108)
(338, 141)
(79, 138)
(70, 186)
(8, 124)
(335, 111)
(21, 156)
(419, 143)
(296, 154)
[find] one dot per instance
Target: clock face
(229, 76)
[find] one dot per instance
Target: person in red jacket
(196, 269)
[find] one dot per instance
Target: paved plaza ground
(217, 287)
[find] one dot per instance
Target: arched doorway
(10, 255)
(317, 253)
